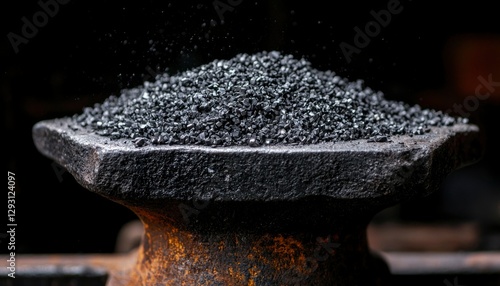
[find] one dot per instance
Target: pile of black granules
(257, 99)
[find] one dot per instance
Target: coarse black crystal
(256, 100)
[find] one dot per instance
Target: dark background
(431, 53)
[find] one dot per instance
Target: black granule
(265, 98)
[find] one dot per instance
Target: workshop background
(442, 55)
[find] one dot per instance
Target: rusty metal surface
(267, 213)
(215, 250)
(294, 243)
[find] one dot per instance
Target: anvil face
(404, 167)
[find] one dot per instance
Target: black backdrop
(88, 50)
